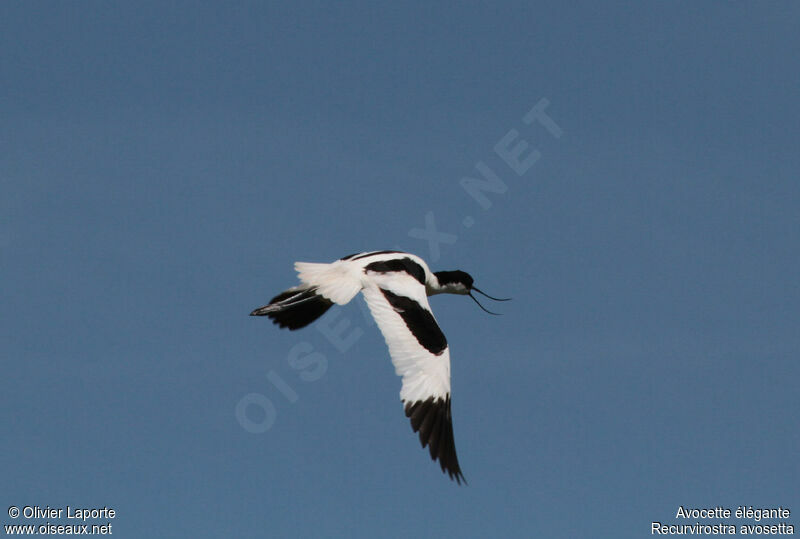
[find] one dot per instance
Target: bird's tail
(338, 281)
(295, 308)
(322, 286)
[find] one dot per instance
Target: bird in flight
(395, 286)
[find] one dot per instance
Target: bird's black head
(453, 281)
(460, 282)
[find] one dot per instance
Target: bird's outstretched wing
(421, 356)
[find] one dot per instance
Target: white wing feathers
(424, 374)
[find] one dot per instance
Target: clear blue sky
(163, 166)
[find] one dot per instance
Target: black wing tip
(455, 474)
(458, 477)
(277, 319)
(432, 419)
(300, 308)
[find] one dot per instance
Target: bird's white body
(340, 277)
(341, 280)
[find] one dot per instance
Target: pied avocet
(395, 286)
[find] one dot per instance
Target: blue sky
(163, 166)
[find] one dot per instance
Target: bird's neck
(433, 287)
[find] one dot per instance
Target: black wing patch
(432, 419)
(398, 264)
(295, 309)
(420, 322)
